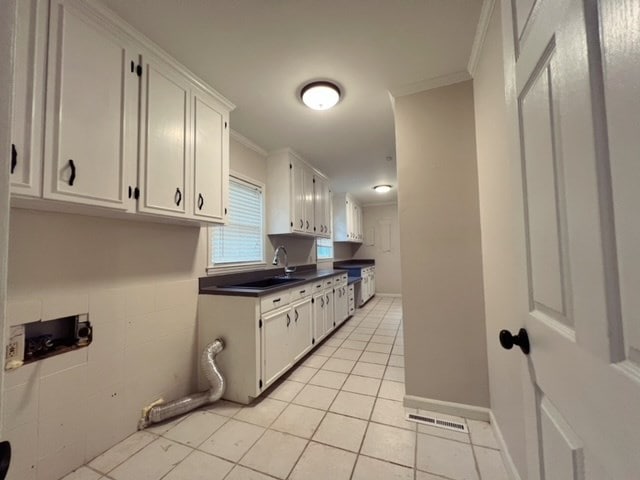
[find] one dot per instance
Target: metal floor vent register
(437, 422)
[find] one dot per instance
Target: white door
(210, 157)
(580, 198)
(92, 104)
(163, 140)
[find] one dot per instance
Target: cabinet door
(298, 212)
(322, 207)
(92, 103)
(302, 331)
(318, 316)
(28, 97)
(275, 348)
(309, 220)
(210, 157)
(329, 313)
(164, 165)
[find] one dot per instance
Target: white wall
(445, 351)
(139, 283)
(502, 254)
(382, 220)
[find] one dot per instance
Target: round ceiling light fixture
(320, 95)
(382, 188)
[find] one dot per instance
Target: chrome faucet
(287, 269)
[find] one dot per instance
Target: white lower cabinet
(276, 357)
(341, 303)
(301, 333)
(264, 336)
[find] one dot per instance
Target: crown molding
(481, 33)
(430, 84)
(247, 143)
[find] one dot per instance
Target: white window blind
(241, 240)
(324, 248)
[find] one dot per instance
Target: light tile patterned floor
(337, 416)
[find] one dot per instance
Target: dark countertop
(354, 280)
(355, 263)
(219, 285)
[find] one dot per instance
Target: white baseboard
(394, 295)
(448, 408)
(512, 471)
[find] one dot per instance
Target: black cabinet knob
(507, 340)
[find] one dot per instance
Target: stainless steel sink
(265, 283)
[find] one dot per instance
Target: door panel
(275, 349)
(92, 95)
(581, 391)
(318, 316)
(301, 331)
(621, 39)
(298, 197)
(209, 159)
(562, 449)
(164, 139)
(308, 201)
(545, 214)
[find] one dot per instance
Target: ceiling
(259, 53)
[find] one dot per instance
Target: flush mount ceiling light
(320, 95)
(382, 188)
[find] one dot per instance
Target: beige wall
(502, 255)
(379, 219)
(139, 283)
(445, 348)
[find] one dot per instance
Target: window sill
(237, 268)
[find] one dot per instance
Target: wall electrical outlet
(14, 350)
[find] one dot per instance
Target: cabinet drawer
(318, 286)
(329, 282)
(275, 300)
(301, 292)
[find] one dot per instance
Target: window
(324, 248)
(241, 240)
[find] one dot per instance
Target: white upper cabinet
(164, 133)
(294, 201)
(322, 206)
(91, 111)
(210, 156)
(126, 127)
(347, 215)
(28, 97)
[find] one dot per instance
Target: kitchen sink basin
(266, 283)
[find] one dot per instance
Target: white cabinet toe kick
(265, 336)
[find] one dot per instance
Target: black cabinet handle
(302, 291)
(14, 157)
(288, 320)
(301, 223)
(307, 224)
(322, 301)
(72, 166)
(130, 191)
(276, 300)
(507, 340)
(296, 317)
(200, 201)
(178, 196)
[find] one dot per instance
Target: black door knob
(507, 340)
